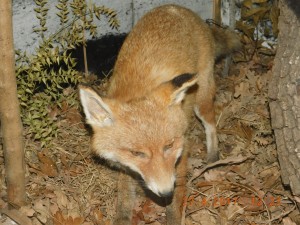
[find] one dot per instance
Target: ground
(67, 185)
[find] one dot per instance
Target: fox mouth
(164, 190)
(167, 194)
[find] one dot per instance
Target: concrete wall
(129, 11)
(204, 8)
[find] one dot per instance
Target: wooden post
(231, 24)
(217, 11)
(86, 69)
(11, 124)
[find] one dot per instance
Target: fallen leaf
(214, 175)
(297, 198)
(41, 206)
(60, 219)
(62, 200)
(288, 221)
(47, 166)
(241, 89)
(73, 116)
(203, 217)
(232, 210)
(27, 210)
(251, 203)
(98, 215)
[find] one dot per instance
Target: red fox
(164, 69)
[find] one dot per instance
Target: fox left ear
(181, 84)
(96, 111)
(173, 92)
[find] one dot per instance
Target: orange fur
(141, 123)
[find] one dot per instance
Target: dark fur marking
(181, 79)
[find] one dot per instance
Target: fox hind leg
(204, 110)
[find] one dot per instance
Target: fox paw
(212, 157)
(122, 220)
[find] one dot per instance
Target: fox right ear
(97, 112)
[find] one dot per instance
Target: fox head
(145, 135)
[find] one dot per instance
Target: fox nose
(167, 194)
(162, 188)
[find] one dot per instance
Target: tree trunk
(10, 111)
(284, 92)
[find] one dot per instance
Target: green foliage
(41, 13)
(44, 76)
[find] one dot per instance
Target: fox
(162, 76)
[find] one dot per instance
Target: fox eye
(138, 154)
(169, 146)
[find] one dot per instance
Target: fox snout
(164, 187)
(161, 178)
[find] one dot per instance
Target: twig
(279, 216)
(230, 160)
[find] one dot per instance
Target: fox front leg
(125, 200)
(174, 210)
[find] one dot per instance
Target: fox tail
(226, 41)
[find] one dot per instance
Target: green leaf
(28, 91)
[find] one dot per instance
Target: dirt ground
(67, 185)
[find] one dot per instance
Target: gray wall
(129, 11)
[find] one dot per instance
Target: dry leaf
(73, 116)
(90, 223)
(53, 208)
(251, 203)
(60, 219)
(214, 175)
(232, 210)
(149, 212)
(53, 113)
(245, 131)
(47, 166)
(241, 89)
(259, 1)
(62, 200)
(203, 217)
(288, 221)
(247, 3)
(42, 206)
(263, 141)
(98, 215)
(254, 11)
(27, 210)
(297, 198)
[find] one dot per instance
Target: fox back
(166, 42)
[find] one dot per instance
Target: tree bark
(284, 93)
(11, 124)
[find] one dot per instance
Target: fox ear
(173, 92)
(181, 84)
(97, 112)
